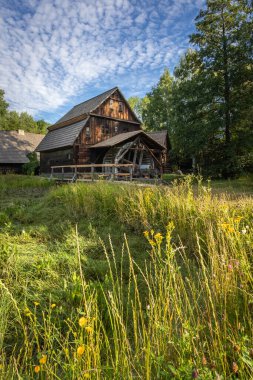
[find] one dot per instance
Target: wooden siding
(98, 129)
(116, 107)
(57, 157)
(10, 168)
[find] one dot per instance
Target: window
(105, 129)
(120, 107)
(87, 132)
(111, 103)
(116, 129)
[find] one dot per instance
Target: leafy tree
(12, 120)
(156, 110)
(212, 107)
(42, 126)
(135, 103)
(3, 104)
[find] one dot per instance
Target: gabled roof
(61, 137)
(123, 137)
(160, 137)
(15, 145)
(86, 107)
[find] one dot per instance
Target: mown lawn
(114, 281)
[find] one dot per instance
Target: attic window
(120, 107)
(87, 131)
(111, 103)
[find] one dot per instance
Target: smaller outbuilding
(14, 148)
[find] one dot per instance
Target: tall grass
(183, 311)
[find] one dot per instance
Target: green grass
(161, 277)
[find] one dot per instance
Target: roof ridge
(93, 97)
(26, 132)
(162, 130)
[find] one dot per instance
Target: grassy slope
(191, 306)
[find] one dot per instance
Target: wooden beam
(126, 149)
(114, 118)
(159, 163)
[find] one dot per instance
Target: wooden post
(62, 170)
(52, 172)
(131, 173)
(113, 172)
(92, 173)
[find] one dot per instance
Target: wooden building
(14, 148)
(103, 130)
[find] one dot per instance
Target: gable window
(120, 107)
(111, 104)
(87, 132)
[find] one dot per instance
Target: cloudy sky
(57, 53)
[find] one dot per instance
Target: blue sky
(57, 53)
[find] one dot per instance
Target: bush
(32, 167)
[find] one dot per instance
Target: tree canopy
(12, 120)
(207, 107)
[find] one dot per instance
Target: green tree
(157, 107)
(12, 120)
(42, 126)
(27, 123)
(135, 103)
(3, 104)
(212, 107)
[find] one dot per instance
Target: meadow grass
(109, 281)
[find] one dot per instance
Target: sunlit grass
(105, 281)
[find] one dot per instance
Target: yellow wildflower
(53, 305)
(37, 369)
(36, 303)
(80, 350)
(43, 359)
(83, 321)
(158, 237)
(238, 219)
(231, 229)
(86, 376)
(89, 329)
(146, 234)
(224, 225)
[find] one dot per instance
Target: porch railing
(72, 173)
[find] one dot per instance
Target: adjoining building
(103, 130)
(14, 148)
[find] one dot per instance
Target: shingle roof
(61, 137)
(159, 136)
(87, 106)
(117, 139)
(15, 145)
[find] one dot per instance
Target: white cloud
(52, 50)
